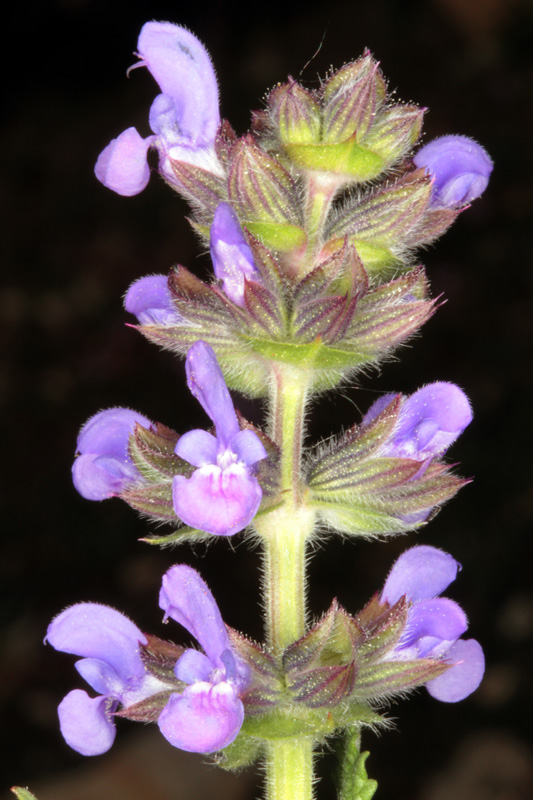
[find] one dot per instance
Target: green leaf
(378, 260)
(344, 158)
(315, 355)
(22, 794)
(361, 520)
(182, 535)
(278, 236)
(361, 478)
(293, 721)
(239, 754)
(353, 782)
(357, 713)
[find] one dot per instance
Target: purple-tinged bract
(103, 466)
(209, 714)
(232, 257)
(111, 664)
(460, 169)
(184, 118)
(222, 495)
(149, 299)
(434, 624)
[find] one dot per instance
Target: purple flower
(232, 258)
(434, 624)
(149, 299)
(103, 465)
(460, 169)
(111, 665)
(222, 496)
(430, 420)
(209, 714)
(122, 165)
(184, 117)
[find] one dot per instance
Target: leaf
(361, 520)
(315, 355)
(386, 214)
(362, 478)
(278, 235)
(293, 721)
(352, 780)
(239, 754)
(22, 794)
(182, 535)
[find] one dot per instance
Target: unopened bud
(352, 97)
(395, 131)
(296, 114)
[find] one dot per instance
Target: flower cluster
(408, 637)
(387, 475)
(327, 282)
(221, 496)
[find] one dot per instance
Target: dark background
(71, 250)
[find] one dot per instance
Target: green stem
(321, 190)
(290, 770)
(285, 531)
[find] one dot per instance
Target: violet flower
(184, 118)
(233, 261)
(430, 420)
(222, 495)
(111, 664)
(460, 169)
(434, 624)
(149, 299)
(209, 714)
(103, 466)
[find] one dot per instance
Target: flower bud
(265, 191)
(395, 131)
(352, 97)
(460, 169)
(296, 114)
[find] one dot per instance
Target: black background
(71, 250)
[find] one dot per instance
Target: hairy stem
(285, 532)
(290, 770)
